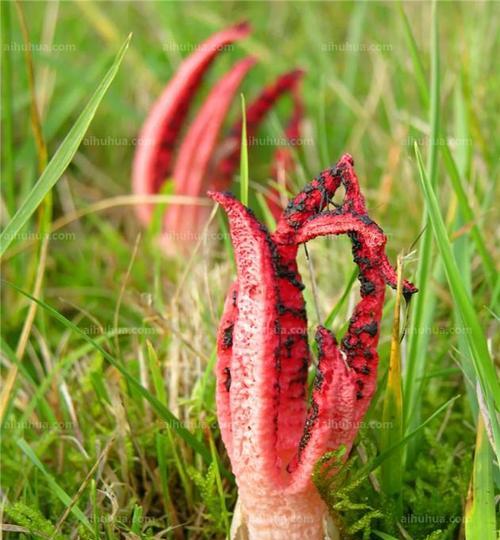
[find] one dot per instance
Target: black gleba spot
(227, 382)
(227, 338)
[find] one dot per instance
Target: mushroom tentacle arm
(330, 420)
(255, 114)
(197, 148)
(273, 438)
(252, 395)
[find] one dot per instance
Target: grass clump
(434, 492)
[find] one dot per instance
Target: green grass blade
(61, 158)
(171, 420)
(386, 454)
(480, 506)
(418, 67)
(463, 201)
(266, 213)
(226, 239)
(161, 455)
(476, 339)
(423, 310)
(220, 487)
(95, 507)
(462, 245)
(244, 155)
(324, 149)
(338, 306)
(355, 34)
(384, 536)
(156, 376)
(136, 520)
(56, 488)
(432, 160)
(7, 122)
(448, 160)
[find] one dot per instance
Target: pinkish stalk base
(284, 517)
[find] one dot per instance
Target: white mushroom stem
(278, 516)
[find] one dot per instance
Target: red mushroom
(272, 437)
(153, 159)
(200, 162)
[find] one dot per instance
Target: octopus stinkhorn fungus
(201, 162)
(273, 437)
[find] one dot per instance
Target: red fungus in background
(272, 437)
(201, 162)
(153, 160)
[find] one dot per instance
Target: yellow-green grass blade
(61, 158)
(155, 226)
(392, 413)
(244, 155)
(481, 359)
(480, 521)
(36, 125)
(105, 27)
